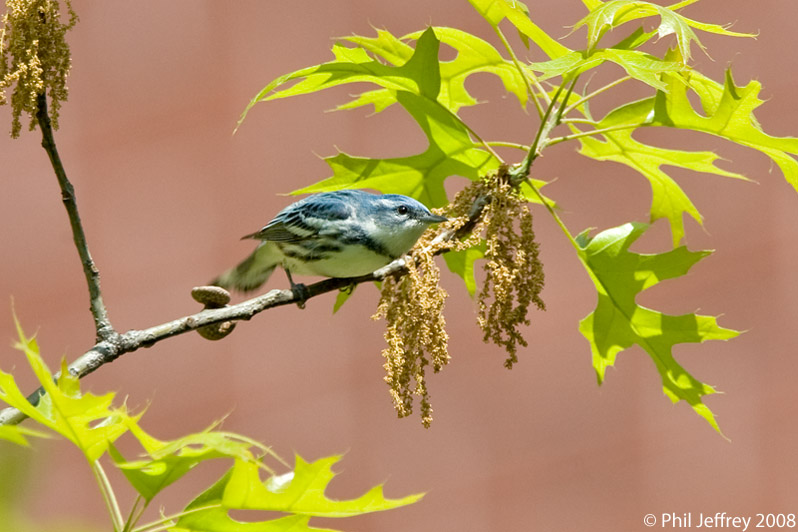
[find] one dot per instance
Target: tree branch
(104, 329)
(110, 345)
(106, 350)
(109, 349)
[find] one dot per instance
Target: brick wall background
(165, 191)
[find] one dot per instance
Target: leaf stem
(547, 123)
(102, 324)
(579, 121)
(684, 3)
(135, 513)
(476, 136)
(554, 215)
(108, 495)
(595, 93)
(524, 74)
(544, 127)
(503, 144)
(558, 118)
(592, 132)
(168, 521)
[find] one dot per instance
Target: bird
(340, 234)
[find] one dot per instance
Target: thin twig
(104, 329)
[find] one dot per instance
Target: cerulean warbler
(346, 233)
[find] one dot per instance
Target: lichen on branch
(35, 57)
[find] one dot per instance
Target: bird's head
(398, 221)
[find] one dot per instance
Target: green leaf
(634, 40)
(566, 65)
(206, 513)
(86, 420)
(618, 322)
(451, 152)
(388, 47)
(342, 297)
(381, 99)
(462, 263)
(641, 66)
(168, 461)
(17, 434)
(614, 13)
(416, 85)
(473, 55)
(495, 11)
(526, 191)
(729, 114)
(668, 200)
(303, 492)
(300, 494)
(419, 75)
(682, 4)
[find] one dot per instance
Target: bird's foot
(299, 290)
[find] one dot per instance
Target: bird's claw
(301, 294)
(299, 290)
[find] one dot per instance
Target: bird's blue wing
(304, 219)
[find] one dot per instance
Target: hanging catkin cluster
(35, 57)
(513, 272)
(491, 210)
(416, 332)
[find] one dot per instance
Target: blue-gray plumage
(346, 233)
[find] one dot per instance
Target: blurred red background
(165, 191)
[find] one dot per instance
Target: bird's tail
(252, 272)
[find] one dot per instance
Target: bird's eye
(402, 209)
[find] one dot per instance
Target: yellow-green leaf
(87, 420)
(668, 200)
(618, 322)
(302, 492)
(641, 66)
(167, 461)
(17, 434)
(462, 262)
(607, 15)
(729, 114)
(495, 11)
(299, 494)
(474, 55)
(419, 75)
(451, 152)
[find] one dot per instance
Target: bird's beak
(434, 219)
